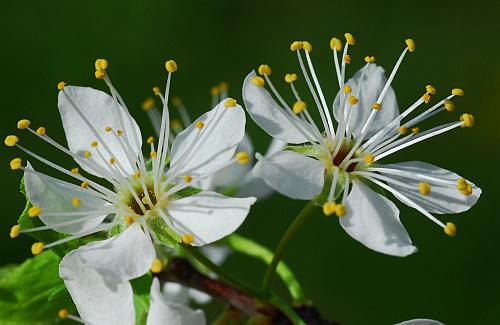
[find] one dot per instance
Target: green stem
(253, 249)
(299, 221)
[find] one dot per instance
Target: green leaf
(141, 287)
(251, 248)
(321, 198)
(162, 232)
(25, 291)
(305, 149)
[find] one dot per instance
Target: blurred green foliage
(455, 280)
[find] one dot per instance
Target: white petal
(176, 293)
(163, 312)
(199, 297)
(420, 322)
(100, 109)
(269, 115)
(53, 195)
(208, 216)
(369, 89)
(374, 221)
(232, 175)
(224, 128)
(292, 174)
(97, 276)
(217, 254)
(441, 199)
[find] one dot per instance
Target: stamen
(450, 229)
(15, 231)
(37, 248)
(34, 211)
(187, 239)
(156, 266)
(424, 188)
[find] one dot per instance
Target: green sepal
(141, 287)
(116, 230)
(306, 150)
(185, 192)
(322, 198)
(32, 293)
(162, 232)
(228, 190)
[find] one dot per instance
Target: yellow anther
(215, 91)
(340, 210)
(153, 154)
(307, 46)
(75, 201)
(224, 85)
(100, 74)
(157, 266)
(290, 77)
(187, 239)
(450, 229)
(368, 159)
(336, 44)
(94, 144)
(34, 211)
(457, 92)
(144, 200)
(347, 89)
(16, 164)
(11, 140)
(431, 90)
(150, 140)
(296, 45)
(242, 157)
(23, 124)
(63, 314)
(415, 131)
(61, 85)
(468, 120)
(230, 102)
(41, 131)
(112, 161)
(119, 133)
(171, 66)
(349, 38)
(467, 191)
(369, 59)
(15, 231)
(200, 125)
(424, 188)
(147, 104)
(175, 124)
(101, 64)
(75, 170)
(410, 44)
(376, 106)
(352, 100)
(84, 185)
(177, 101)
(258, 81)
(462, 184)
(129, 220)
(37, 248)
(403, 130)
(156, 91)
(87, 154)
(187, 178)
(449, 105)
(137, 175)
(329, 208)
(426, 98)
(299, 106)
(107, 129)
(264, 69)
(347, 59)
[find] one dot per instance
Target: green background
(455, 280)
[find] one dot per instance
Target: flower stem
(299, 221)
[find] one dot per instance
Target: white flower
(156, 204)
(236, 179)
(161, 312)
(420, 322)
(343, 160)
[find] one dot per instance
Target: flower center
(342, 153)
(134, 205)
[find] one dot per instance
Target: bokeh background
(455, 280)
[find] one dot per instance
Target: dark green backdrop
(455, 280)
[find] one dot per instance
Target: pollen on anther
(403, 130)
(23, 124)
(156, 91)
(242, 157)
(457, 92)
(376, 106)
(369, 59)
(347, 59)
(296, 45)
(129, 220)
(369, 159)
(99, 74)
(290, 77)
(94, 144)
(107, 129)
(61, 85)
(147, 104)
(449, 106)
(349, 39)
(15, 231)
(329, 208)
(187, 239)
(150, 140)
(468, 120)
(352, 100)
(37, 248)
(34, 211)
(430, 89)
(340, 210)
(75, 170)
(426, 98)
(410, 44)
(307, 46)
(112, 161)
(11, 140)
(415, 131)
(156, 266)
(175, 124)
(264, 70)
(87, 154)
(63, 314)
(347, 89)
(299, 106)
(41, 131)
(230, 102)
(101, 64)
(450, 229)
(215, 90)
(75, 201)
(153, 154)
(187, 178)
(84, 185)
(171, 66)
(199, 125)
(16, 164)
(258, 81)
(336, 44)
(424, 188)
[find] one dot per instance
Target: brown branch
(182, 271)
